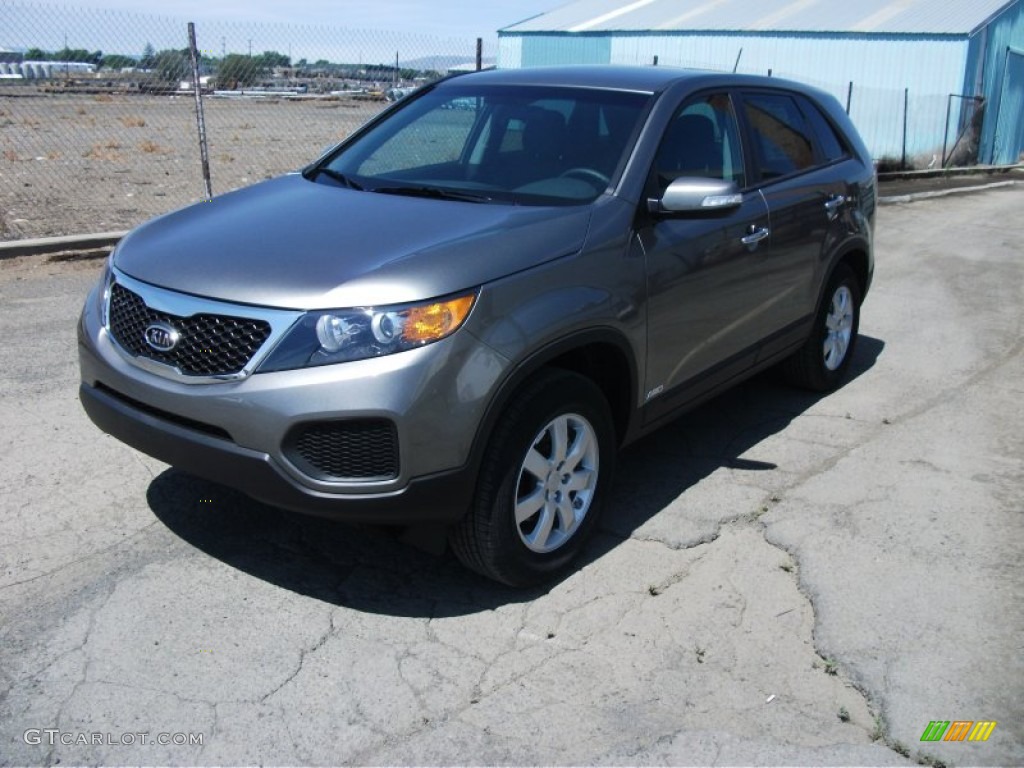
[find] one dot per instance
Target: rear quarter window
(830, 143)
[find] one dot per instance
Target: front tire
(542, 481)
(821, 364)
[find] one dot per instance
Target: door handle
(833, 204)
(757, 234)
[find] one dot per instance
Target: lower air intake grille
(357, 449)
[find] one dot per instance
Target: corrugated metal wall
(585, 49)
(880, 68)
(994, 71)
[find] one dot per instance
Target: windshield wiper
(436, 193)
(333, 174)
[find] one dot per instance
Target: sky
(448, 18)
(300, 28)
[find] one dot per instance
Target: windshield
(516, 144)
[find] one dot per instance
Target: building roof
(915, 17)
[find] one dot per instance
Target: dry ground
(80, 164)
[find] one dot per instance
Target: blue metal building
(917, 74)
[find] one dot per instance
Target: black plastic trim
(439, 498)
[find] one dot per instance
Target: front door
(708, 274)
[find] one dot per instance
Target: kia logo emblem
(161, 337)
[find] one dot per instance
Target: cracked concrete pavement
(780, 578)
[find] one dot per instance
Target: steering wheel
(587, 174)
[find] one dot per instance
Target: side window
(702, 140)
(832, 147)
(781, 136)
(512, 140)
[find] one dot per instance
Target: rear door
(797, 159)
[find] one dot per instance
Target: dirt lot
(82, 164)
(780, 578)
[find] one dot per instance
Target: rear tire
(821, 364)
(542, 482)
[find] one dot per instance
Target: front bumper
(237, 432)
(441, 498)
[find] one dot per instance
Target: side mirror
(697, 195)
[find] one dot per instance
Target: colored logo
(958, 730)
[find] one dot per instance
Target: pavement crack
(83, 558)
(316, 646)
(708, 538)
(832, 665)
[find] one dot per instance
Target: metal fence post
(906, 108)
(849, 96)
(197, 89)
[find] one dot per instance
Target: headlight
(106, 283)
(343, 335)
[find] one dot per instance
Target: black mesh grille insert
(357, 449)
(210, 345)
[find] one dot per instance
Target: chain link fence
(98, 114)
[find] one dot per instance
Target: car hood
(292, 243)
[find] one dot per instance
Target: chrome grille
(209, 345)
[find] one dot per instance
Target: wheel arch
(602, 355)
(857, 259)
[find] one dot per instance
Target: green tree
(236, 70)
(74, 54)
(36, 54)
(267, 60)
(148, 54)
(172, 66)
(116, 61)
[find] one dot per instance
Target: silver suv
(461, 312)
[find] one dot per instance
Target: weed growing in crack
(879, 732)
(900, 747)
(700, 653)
(831, 667)
(753, 517)
(844, 714)
(934, 762)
